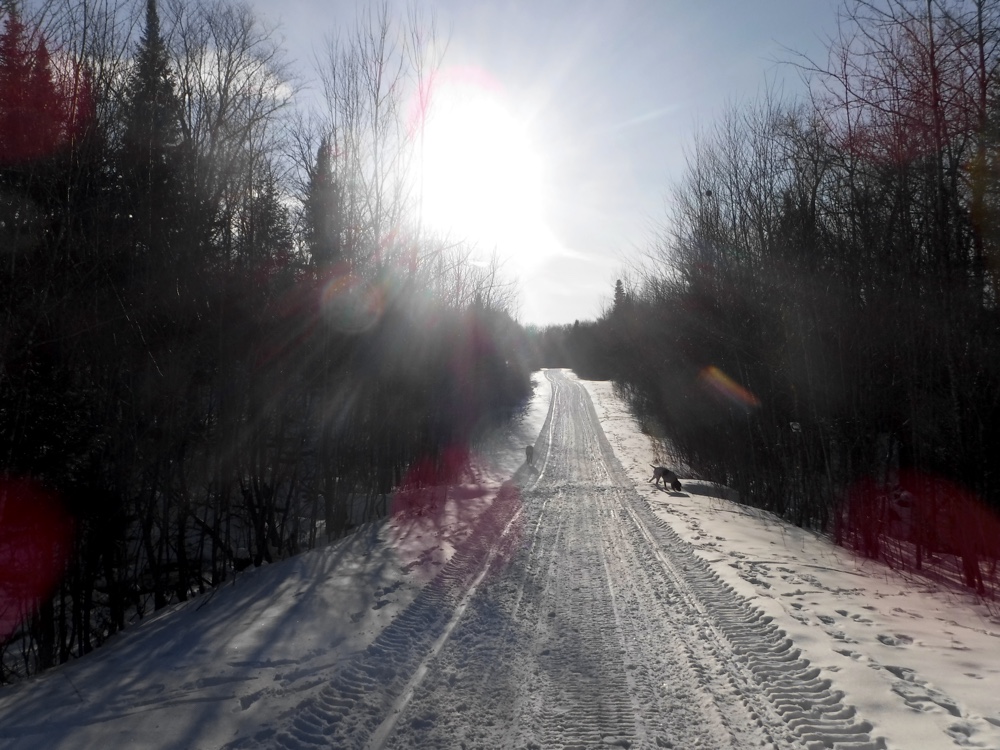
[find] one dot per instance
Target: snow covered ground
(273, 657)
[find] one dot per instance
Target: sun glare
(481, 177)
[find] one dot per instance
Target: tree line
(224, 334)
(818, 326)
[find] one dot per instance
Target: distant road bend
(582, 622)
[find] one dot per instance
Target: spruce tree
(155, 274)
(621, 298)
(324, 212)
(149, 152)
(31, 109)
(46, 109)
(15, 76)
(32, 124)
(153, 107)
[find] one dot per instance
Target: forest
(816, 325)
(225, 337)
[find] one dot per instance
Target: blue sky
(613, 93)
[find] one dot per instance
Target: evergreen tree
(45, 104)
(620, 297)
(266, 236)
(153, 108)
(32, 120)
(149, 148)
(323, 212)
(31, 108)
(155, 278)
(15, 68)
(15, 76)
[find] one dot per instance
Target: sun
(480, 178)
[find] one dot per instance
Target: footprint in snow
(918, 694)
(898, 640)
(386, 590)
(840, 635)
(798, 592)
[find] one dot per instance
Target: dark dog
(529, 455)
(668, 477)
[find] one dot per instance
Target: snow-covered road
(578, 621)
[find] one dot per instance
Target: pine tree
(153, 108)
(621, 298)
(32, 125)
(148, 159)
(266, 235)
(45, 103)
(155, 277)
(324, 212)
(31, 111)
(15, 73)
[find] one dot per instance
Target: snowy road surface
(577, 621)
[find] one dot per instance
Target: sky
(609, 93)
(912, 660)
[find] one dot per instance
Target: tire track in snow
(583, 692)
(581, 695)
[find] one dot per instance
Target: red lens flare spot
(717, 382)
(919, 517)
(442, 506)
(46, 102)
(36, 534)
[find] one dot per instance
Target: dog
(529, 455)
(668, 477)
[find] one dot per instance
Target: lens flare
(35, 539)
(716, 381)
(442, 510)
(52, 96)
(936, 515)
